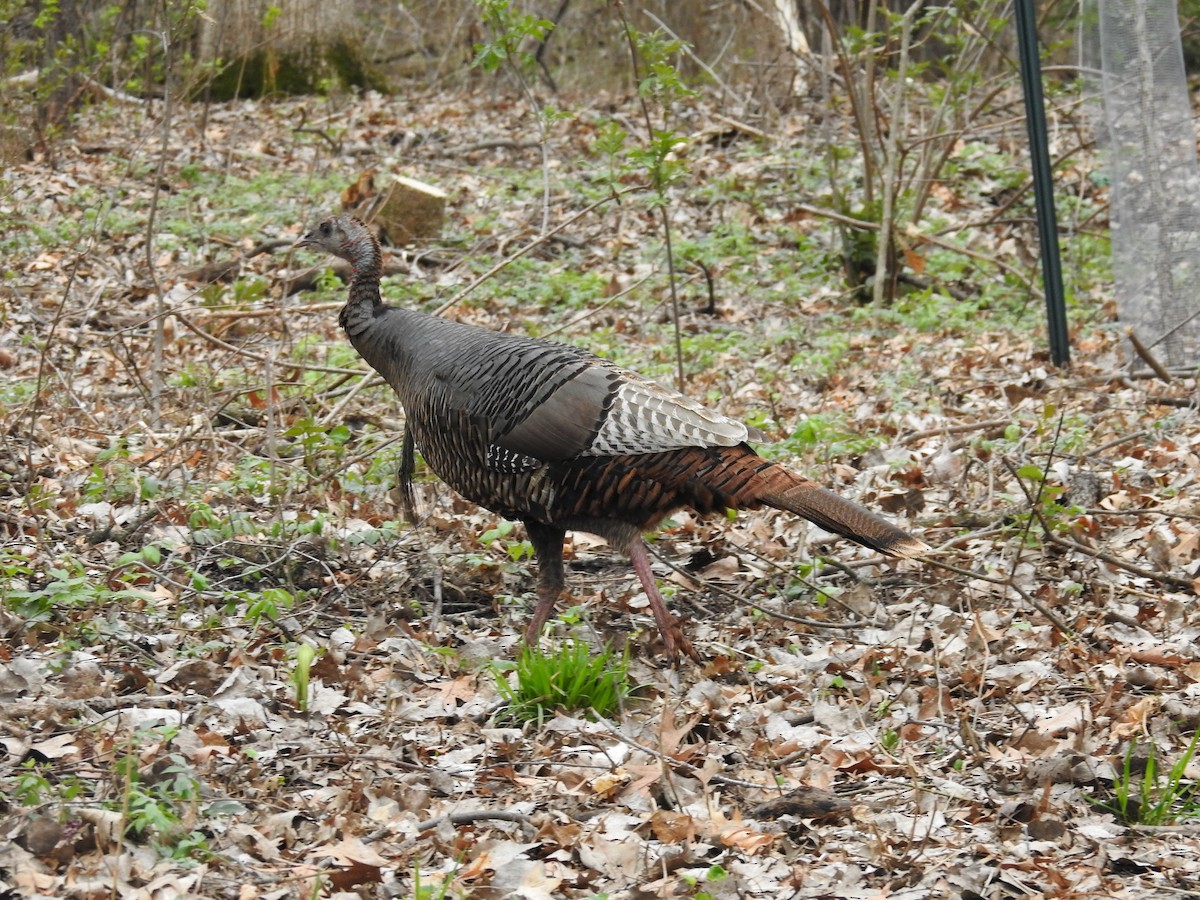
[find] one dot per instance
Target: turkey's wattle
(565, 441)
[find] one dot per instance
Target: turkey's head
(342, 236)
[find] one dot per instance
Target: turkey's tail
(786, 490)
(748, 480)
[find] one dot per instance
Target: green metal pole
(1043, 183)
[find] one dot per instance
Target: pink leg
(547, 599)
(673, 638)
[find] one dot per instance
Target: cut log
(409, 210)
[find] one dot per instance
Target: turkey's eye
(324, 228)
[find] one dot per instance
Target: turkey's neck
(363, 300)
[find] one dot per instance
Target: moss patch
(301, 71)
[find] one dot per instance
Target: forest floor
(199, 483)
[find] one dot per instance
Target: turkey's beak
(304, 241)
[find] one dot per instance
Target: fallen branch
(497, 144)
(477, 815)
(1181, 584)
(112, 93)
(241, 351)
(1124, 375)
(1147, 357)
(742, 127)
(267, 312)
(536, 242)
(334, 144)
(24, 79)
(1115, 442)
(961, 428)
(1177, 402)
(1193, 830)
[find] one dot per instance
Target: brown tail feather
(641, 490)
(784, 489)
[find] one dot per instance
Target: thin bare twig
(678, 765)
(884, 261)
(1147, 357)
(156, 371)
(257, 357)
(478, 815)
(927, 238)
(1186, 585)
(960, 428)
(691, 54)
(745, 601)
(528, 248)
(584, 316)
(664, 212)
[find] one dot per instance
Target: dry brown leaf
(746, 839)
(354, 874)
(610, 782)
(1135, 719)
(672, 827)
(671, 734)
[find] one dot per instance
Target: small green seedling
(1147, 799)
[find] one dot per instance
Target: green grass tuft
(575, 679)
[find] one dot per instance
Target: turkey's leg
(672, 635)
(548, 548)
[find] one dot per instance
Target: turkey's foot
(674, 640)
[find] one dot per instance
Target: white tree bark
(787, 16)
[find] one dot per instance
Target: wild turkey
(565, 441)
